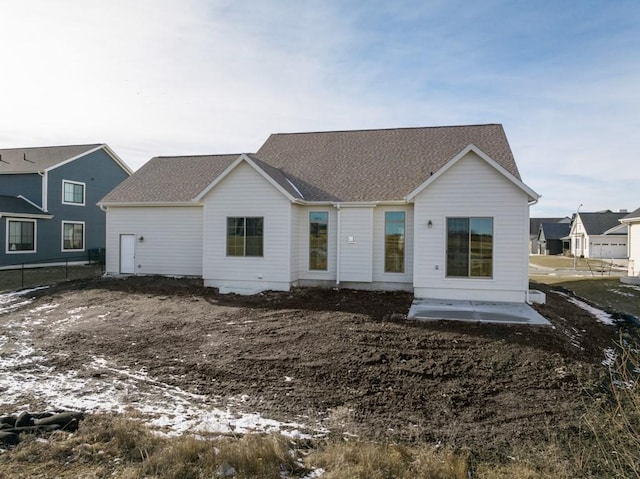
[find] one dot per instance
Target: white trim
(45, 191)
(9, 214)
(104, 147)
(35, 235)
(70, 222)
(472, 148)
(233, 166)
(384, 242)
(84, 192)
(309, 270)
(29, 201)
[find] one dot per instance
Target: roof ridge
(51, 146)
(200, 155)
(389, 129)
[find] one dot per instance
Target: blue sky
(165, 77)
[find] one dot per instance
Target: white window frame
(84, 235)
(35, 236)
(84, 192)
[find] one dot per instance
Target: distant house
(534, 231)
(550, 238)
(48, 199)
(438, 211)
(632, 223)
(599, 235)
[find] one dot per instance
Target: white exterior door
(127, 254)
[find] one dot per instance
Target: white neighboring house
(439, 211)
(599, 235)
(632, 223)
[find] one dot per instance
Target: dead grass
(566, 262)
(608, 293)
(361, 460)
(107, 446)
(614, 418)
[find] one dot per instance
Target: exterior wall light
(141, 239)
(430, 224)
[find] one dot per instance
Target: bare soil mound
(341, 359)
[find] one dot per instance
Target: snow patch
(600, 315)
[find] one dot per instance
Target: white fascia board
(149, 204)
(533, 196)
(633, 219)
(8, 214)
(104, 147)
(30, 202)
(244, 158)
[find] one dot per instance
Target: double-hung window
(245, 236)
(73, 193)
(72, 236)
(394, 225)
(318, 240)
(470, 247)
(21, 236)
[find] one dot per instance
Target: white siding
(634, 249)
(172, 239)
(472, 188)
(356, 244)
(379, 274)
(245, 193)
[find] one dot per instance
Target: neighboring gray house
(599, 235)
(48, 199)
(550, 238)
(534, 230)
(440, 211)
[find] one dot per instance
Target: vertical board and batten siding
(472, 188)
(246, 193)
(634, 249)
(302, 271)
(379, 275)
(172, 239)
(356, 258)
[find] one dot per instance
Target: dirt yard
(337, 360)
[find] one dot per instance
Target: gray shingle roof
(170, 179)
(40, 158)
(361, 165)
(598, 222)
(534, 223)
(375, 165)
(555, 230)
(634, 214)
(15, 205)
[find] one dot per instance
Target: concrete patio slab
(475, 311)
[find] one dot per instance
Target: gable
(34, 160)
(242, 187)
(248, 176)
(473, 153)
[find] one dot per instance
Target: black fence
(52, 270)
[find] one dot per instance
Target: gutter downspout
(45, 190)
(337, 206)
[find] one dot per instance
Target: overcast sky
(175, 77)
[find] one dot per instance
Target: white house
(599, 235)
(632, 223)
(439, 211)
